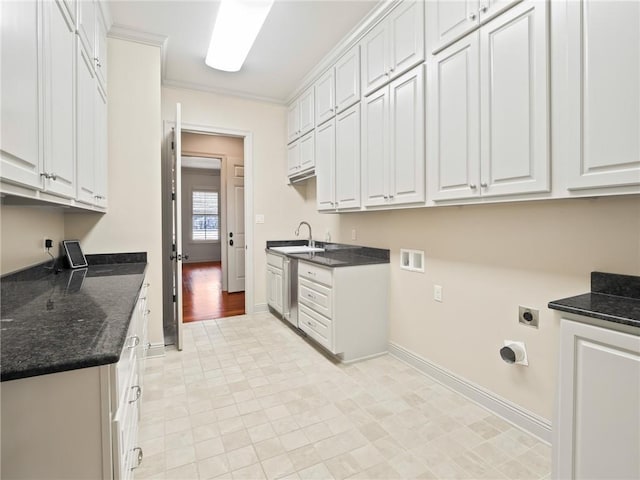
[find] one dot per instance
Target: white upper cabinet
(393, 162)
(325, 156)
(347, 77)
(505, 110)
(301, 115)
(21, 119)
(87, 25)
(603, 94)
(450, 20)
(325, 97)
(59, 100)
(85, 139)
(100, 58)
(393, 46)
(300, 156)
(347, 173)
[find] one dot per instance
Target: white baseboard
(260, 307)
(155, 350)
(525, 420)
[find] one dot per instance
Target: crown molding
(122, 32)
(352, 38)
(220, 91)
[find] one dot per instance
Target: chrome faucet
(297, 232)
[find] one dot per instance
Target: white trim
(525, 420)
(155, 350)
(122, 32)
(219, 91)
(260, 308)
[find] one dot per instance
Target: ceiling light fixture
(237, 26)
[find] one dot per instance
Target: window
(204, 218)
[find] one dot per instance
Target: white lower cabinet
(602, 95)
(275, 285)
(78, 424)
(345, 309)
(488, 98)
(597, 425)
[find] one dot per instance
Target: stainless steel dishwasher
(290, 290)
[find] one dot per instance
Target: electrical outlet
(528, 316)
(47, 243)
(354, 234)
(437, 293)
(259, 218)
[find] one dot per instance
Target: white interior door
(177, 224)
(235, 225)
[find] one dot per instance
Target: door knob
(230, 234)
(231, 242)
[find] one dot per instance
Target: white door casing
(177, 223)
(235, 225)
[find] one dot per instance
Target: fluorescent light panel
(237, 26)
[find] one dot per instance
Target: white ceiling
(296, 36)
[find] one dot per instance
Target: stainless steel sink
(296, 249)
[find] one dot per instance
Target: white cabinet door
(450, 20)
(347, 75)
(85, 133)
(307, 152)
(603, 93)
(406, 106)
(274, 288)
(492, 8)
(293, 122)
(348, 158)
(325, 165)
(598, 420)
(406, 40)
(21, 122)
(375, 58)
(375, 148)
(306, 111)
(453, 133)
(325, 97)
(101, 157)
(514, 97)
(87, 26)
(293, 158)
(59, 101)
(101, 48)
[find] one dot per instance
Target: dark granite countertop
(613, 298)
(74, 319)
(335, 254)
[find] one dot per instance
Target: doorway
(235, 234)
(211, 288)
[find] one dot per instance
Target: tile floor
(247, 398)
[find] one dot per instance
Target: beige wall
(196, 144)
(282, 205)
(133, 222)
(22, 234)
(489, 259)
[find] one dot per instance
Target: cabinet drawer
(315, 296)
(315, 273)
(275, 260)
(316, 326)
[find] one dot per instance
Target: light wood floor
(202, 295)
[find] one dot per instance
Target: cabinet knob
(472, 16)
(135, 341)
(49, 176)
(97, 60)
(472, 186)
(484, 9)
(483, 184)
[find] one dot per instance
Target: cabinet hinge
(173, 196)
(172, 146)
(173, 247)
(174, 299)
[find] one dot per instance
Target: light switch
(259, 218)
(437, 293)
